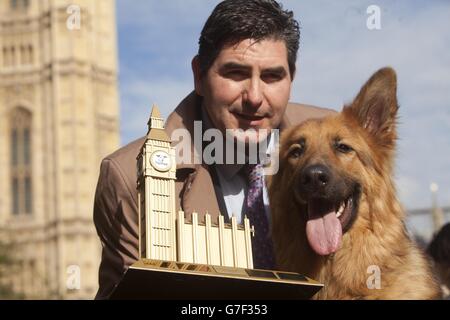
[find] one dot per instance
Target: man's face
(248, 86)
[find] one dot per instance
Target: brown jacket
(115, 207)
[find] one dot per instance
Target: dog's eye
(342, 147)
(296, 151)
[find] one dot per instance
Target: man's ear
(197, 76)
(375, 107)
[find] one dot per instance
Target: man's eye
(237, 75)
(271, 77)
(343, 148)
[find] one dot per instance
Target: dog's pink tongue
(323, 229)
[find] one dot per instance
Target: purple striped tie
(263, 257)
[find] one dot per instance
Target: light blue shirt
(234, 188)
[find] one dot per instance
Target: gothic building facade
(59, 116)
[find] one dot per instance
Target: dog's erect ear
(375, 107)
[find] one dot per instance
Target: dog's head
(329, 165)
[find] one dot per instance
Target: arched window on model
(21, 161)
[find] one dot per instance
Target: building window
(23, 55)
(26, 54)
(26, 146)
(5, 57)
(21, 162)
(19, 4)
(30, 54)
(14, 150)
(12, 58)
(27, 196)
(15, 195)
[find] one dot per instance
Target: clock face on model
(161, 161)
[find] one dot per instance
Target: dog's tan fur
(377, 236)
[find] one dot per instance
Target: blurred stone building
(59, 116)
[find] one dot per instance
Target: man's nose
(253, 95)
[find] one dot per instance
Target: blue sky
(157, 40)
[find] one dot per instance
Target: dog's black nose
(315, 177)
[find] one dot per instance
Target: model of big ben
(156, 193)
(164, 234)
(194, 259)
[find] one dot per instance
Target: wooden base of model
(155, 279)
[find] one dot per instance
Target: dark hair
(439, 248)
(235, 20)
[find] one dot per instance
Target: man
(243, 74)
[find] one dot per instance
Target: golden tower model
(156, 193)
(165, 234)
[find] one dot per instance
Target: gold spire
(155, 121)
(156, 126)
(155, 112)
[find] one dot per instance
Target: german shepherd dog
(335, 214)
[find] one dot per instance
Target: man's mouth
(328, 221)
(248, 117)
